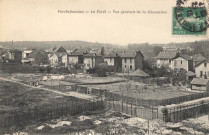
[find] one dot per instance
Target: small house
(200, 84)
(163, 59)
(114, 60)
(182, 62)
(91, 60)
(202, 69)
(131, 60)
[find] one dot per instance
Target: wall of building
(53, 60)
(204, 68)
(65, 60)
(139, 61)
(73, 59)
(196, 87)
(25, 53)
(98, 60)
(128, 64)
(179, 63)
(110, 61)
(163, 63)
(89, 62)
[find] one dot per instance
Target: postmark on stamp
(190, 17)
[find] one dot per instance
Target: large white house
(164, 58)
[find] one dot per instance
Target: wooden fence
(180, 113)
(47, 113)
(132, 110)
(155, 102)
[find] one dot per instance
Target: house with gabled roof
(91, 60)
(75, 57)
(200, 84)
(60, 50)
(113, 59)
(131, 60)
(198, 58)
(182, 62)
(56, 58)
(202, 69)
(163, 59)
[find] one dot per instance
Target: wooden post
(131, 110)
(122, 106)
(113, 104)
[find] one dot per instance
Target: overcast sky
(39, 20)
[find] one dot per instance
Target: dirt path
(72, 94)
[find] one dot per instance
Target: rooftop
(166, 55)
(184, 56)
(139, 73)
(200, 81)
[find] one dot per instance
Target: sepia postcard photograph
(104, 67)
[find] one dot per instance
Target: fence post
(122, 106)
(113, 104)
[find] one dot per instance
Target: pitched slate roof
(139, 73)
(184, 56)
(200, 81)
(91, 55)
(59, 54)
(111, 55)
(128, 54)
(198, 57)
(57, 49)
(198, 64)
(166, 55)
(76, 53)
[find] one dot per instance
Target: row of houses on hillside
(197, 63)
(172, 60)
(125, 61)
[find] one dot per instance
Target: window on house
(130, 67)
(125, 66)
(130, 60)
(125, 60)
(181, 61)
(175, 62)
(201, 73)
(205, 64)
(197, 85)
(169, 61)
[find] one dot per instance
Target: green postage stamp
(190, 18)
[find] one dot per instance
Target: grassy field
(16, 97)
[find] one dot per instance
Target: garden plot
(141, 90)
